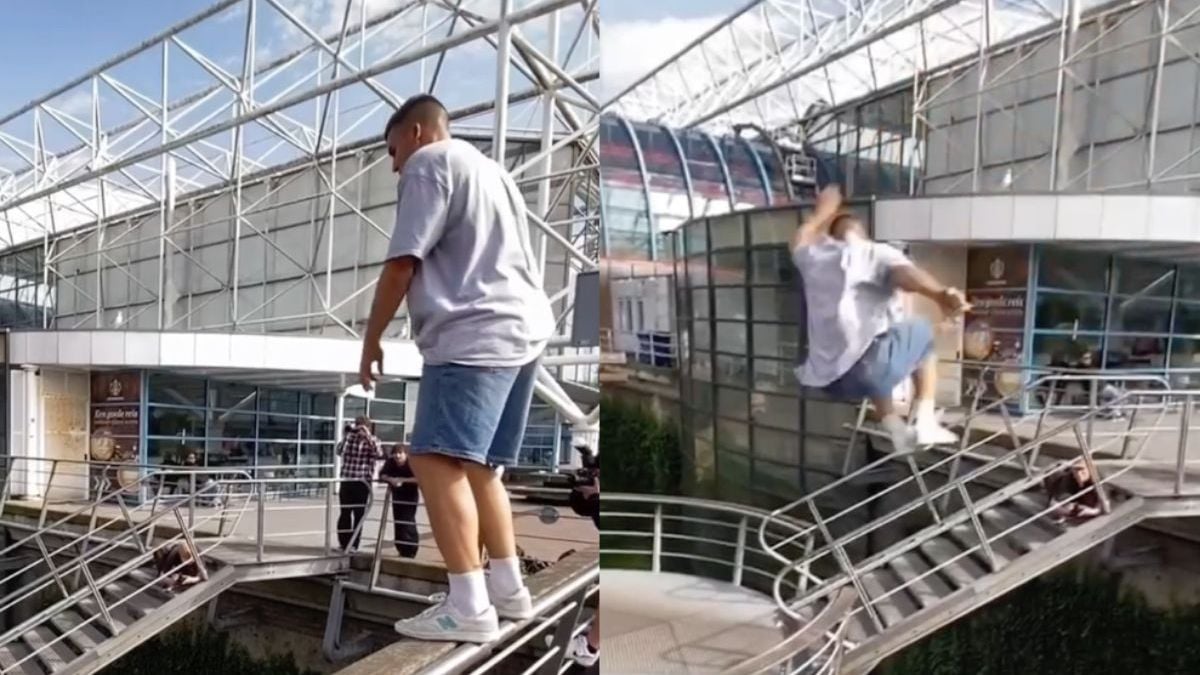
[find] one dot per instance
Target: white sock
(506, 575)
(926, 412)
(894, 424)
(468, 593)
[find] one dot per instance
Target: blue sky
(640, 34)
(56, 40)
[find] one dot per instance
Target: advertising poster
(994, 330)
(115, 427)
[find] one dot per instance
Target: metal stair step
(961, 572)
(925, 590)
(1025, 538)
(13, 652)
(138, 604)
(969, 538)
(121, 616)
(1029, 503)
(54, 657)
(148, 580)
(894, 607)
(84, 637)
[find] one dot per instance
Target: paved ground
(679, 624)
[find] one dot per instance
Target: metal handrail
(826, 659)
(850, 573)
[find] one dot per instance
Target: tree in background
(639, 452)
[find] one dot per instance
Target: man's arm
(817, 224)
(394, 281)
(908, 277)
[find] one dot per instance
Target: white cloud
(633, 48)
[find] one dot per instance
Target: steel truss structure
(218, 128)
(963, 95)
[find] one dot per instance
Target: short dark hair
(843, 222)
(413, 104)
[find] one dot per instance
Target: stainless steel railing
(1023, 461)
(667, 531)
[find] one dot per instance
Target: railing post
(328, 515)
(191, 521)
(739, 554)
(969, 505)
(1097, 480)
(262, 516)
(191, 544)
(656, 550)
(1185, 424)
(1093, 402)
(377, 562)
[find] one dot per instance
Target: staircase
(956, 527)
(92, 595)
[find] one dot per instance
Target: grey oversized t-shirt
(849, 300)
(477, 298)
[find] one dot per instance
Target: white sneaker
(578, 650)
(517, 607)
(929, 432)
(443, 622)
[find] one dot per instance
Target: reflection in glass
(1073, 270)
(172, 421)
(777, 304)
(1070, 311)
(775, 411)
(1140, 315)
(773, 375)
(731, 337)
(732, 403)
(772, 266)
(1136, 352)
(1064, 351)
(1187, 317)
(777, 446)
(729, 268)
(730, 303)
(732, 370)
(779, 341)
(1138, 276)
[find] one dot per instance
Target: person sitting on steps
(857, 346)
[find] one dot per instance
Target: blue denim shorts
(891, 358)
(473, 413)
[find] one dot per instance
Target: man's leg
(404, 528)
(505, 585)
(358, 510)
(929, 430)
(458, 412)
(345, 524)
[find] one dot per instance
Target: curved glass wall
(654, 178)
(750, 433)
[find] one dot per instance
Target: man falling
(858, 345)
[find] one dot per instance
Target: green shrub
(1073, 621)
(639, 453)
(187, 652)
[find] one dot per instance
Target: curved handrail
(832, 618)
(833, 614)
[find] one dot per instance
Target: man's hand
(829, 199)
(953, 302)
(372, 354)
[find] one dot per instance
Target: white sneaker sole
(475, 636)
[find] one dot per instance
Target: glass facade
(654, 178)
(751, 434)
(25, 300)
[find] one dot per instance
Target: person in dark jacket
(397, 473)
(1074, 493)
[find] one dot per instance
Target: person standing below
(359, 451)
(398, 474)
(461, 254)
(858, 345)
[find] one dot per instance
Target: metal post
(262, 512)
(192, 501)
(1164, 12)
(969, 505)
(656, 547)
(1093, 402)
(543, 196)
(191, 544)
(1185, 423)
(739, 555)
(328, 516)
(1086, 450)
(377, 560)
(503, 47)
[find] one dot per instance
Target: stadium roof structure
(775, 62)
(247, 86)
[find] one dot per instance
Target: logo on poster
(997, 269)
(115, 388)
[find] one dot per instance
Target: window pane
(386, 410)
(1140, 315)
(777, 341)
(1144, 277)
(1066, 311)
(1136, 352)
(231, 425)
(277, 427)
(1064, 351)
(771, 266)
(773, 375)
(1189, 281)
(176, 422)
(231, 395)
(732, 370)
(1073, 270)
(702, 396)
(702, 366)
(728, 232)
(730, 303)
(1187, 317)
(731, 403)
(774, 410)
(281, 401)
(777, 446)
(176, 389)
(701, 335)
(729, 268)
(731, 337)
(733, 436)
(776, 479)
(1185, 353)
(695, 237)
(777, 304)
(700, 303)
(317, 430)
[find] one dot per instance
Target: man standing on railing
(461, 254)
(359, 451)
(858, 346)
